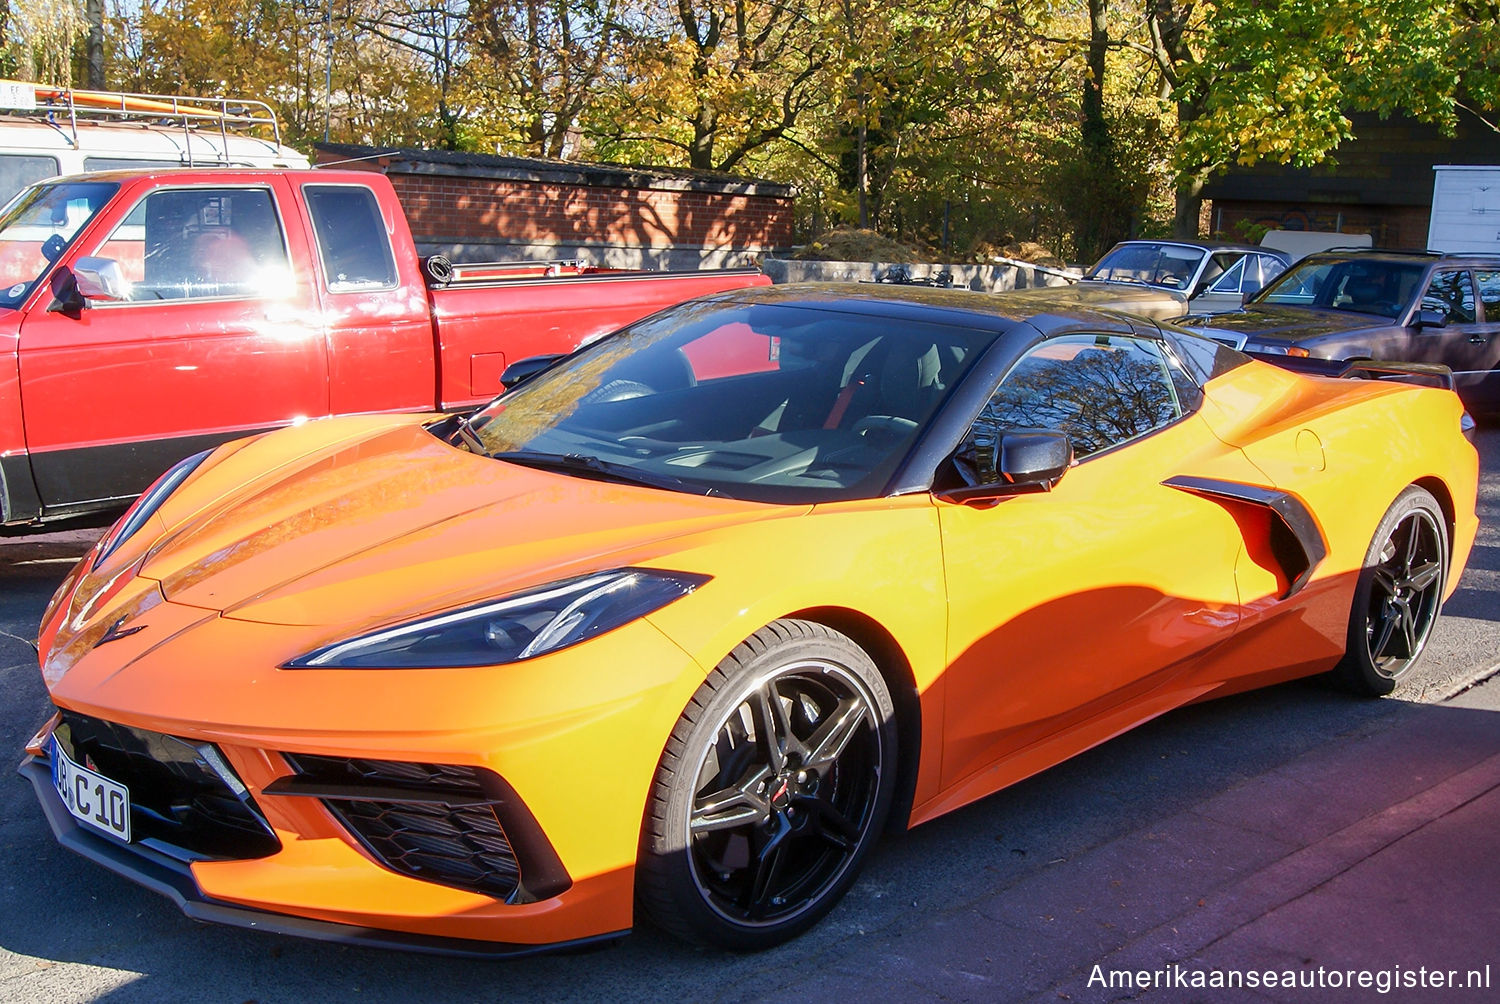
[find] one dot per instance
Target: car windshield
(1360, 286)
(1170, 265)
(764, 402)
(37, 227)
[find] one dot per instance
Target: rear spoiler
(1421, 374)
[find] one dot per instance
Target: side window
(19, 170)
(1270, 268)
(1489, 294)
(1451, 293)
(352, 240)
(1102, 390)
(198, 243)
(1229, 282)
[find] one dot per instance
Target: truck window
(352, 240)
(197, 243)
(37, 227)
(19, 170)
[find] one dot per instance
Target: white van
(47, 131)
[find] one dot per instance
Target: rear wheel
(1397, 597)
(771, 790)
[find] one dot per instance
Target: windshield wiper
(470, 439)
(578, 463)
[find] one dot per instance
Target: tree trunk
(1189, 204)
(94, 13)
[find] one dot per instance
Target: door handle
(280, 314)
(1478, 339)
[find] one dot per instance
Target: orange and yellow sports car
(685, 619)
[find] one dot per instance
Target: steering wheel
(617, 390)
(890, 425)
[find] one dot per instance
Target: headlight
(145, 507)
(518, 627)
(1277, 349)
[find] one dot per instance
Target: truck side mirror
(525, 369)
(100, 279)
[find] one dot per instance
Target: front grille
(179, 802)
(435, 822)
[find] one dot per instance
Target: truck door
(381, 348)
(217, 335)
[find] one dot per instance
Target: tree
(1252, 81)
(39, 36)
(543, 61)
(715, 81)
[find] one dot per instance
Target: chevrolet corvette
(682, 622)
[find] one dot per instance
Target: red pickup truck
(145, 315)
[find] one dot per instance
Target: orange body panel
(1021, 632)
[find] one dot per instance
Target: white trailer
(1465, 209)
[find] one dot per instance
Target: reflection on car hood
(1284, 323)
(397, 522)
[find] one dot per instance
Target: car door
(216, 336)
(1478, 374)
(1464, 343)
(1068, 604)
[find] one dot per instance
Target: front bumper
(173, 879)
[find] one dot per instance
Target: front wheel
(771, 790)
(1397, 597)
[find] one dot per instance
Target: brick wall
(476, 207)
(1389, 226)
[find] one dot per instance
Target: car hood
(395, 522)
(1127, 296)
(1285, 323)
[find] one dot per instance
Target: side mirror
(1430, 319)
(1013, 462)
(100, 279)
(525, 369)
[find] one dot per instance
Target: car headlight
(517, 627)
(145, 507)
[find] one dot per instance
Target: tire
(746, 843)
(1397, 597)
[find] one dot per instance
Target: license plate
(91, 797)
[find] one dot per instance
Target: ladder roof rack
(64, 107)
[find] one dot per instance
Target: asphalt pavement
(1292, 844)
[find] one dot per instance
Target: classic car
(1168, 278)
(683, 621)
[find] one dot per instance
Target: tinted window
(1203, 357)
(18, 171)
(353, 243)
(1489, 294)
(1101, 390)
(197, 243)
(1451, 294)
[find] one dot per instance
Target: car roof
(1204, 245)
(1403, 255)
(991, 312)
